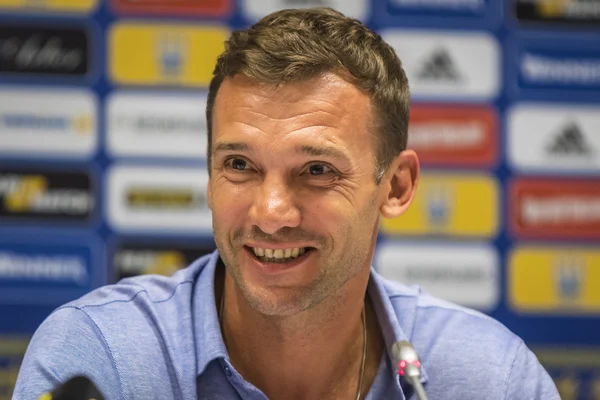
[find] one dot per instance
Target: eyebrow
(229, 146)
(314, 151)
(309, 150)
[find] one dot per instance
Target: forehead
(325, 101)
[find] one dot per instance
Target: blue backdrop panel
(103, 172)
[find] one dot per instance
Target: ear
(401, 184)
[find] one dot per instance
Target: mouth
(279, 256)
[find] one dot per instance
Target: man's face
(295, 206)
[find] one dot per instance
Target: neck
(314, 354)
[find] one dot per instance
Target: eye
(319, 169)
(238, 164)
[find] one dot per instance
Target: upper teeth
(279, 253)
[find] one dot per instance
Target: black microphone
(409, 366)
(77, 388)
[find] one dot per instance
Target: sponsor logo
(174, 7)
(162, 54)
(12, 350)
(151, 258)
(569, 141)
(47, 271)
(557, 280)
(157, 126)
(256, 9)
(558, 71)
(48, 122)
(446, 6)
(159, 199)
(68, 268)
(557, 138)
(439, 66)
(33, 50)
(448, 204)
(442, 64)
(555, 208)
(454, 135)
(559, 10)
(49, 6)
(45, 196)
(464, 274)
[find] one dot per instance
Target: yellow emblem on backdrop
(553, 8)
(79, 6)
(162, 54)
(166, 263)
(12, 350)
(596, 387)
(568, 387)
(560, 280)
(26, 192)
(570, 365)
(450, 204)
(83, 124)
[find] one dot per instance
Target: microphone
(77, 388)
(409, 366)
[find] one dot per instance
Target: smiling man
(307, 115)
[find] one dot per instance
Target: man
(307, 116)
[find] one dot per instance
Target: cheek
(354, 223)
(334, 218)
(229, 203)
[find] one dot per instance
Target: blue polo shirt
(155, 337)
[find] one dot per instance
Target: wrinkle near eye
(347, 188)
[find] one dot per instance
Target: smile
(278, 255)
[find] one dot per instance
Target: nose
(273, 206)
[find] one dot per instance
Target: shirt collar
(207, 329)
(394, 320)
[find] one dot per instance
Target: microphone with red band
(77, 388)
(409, 366)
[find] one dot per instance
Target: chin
(280, 303)
(277, 300)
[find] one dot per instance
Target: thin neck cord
(364, 352)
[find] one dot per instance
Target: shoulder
(466, 353)
(66, 344)
(141, 316)
(120, 335)
(141, 302)
(439, 325)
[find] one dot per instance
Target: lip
(278, 268)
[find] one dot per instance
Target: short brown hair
(293, 45)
